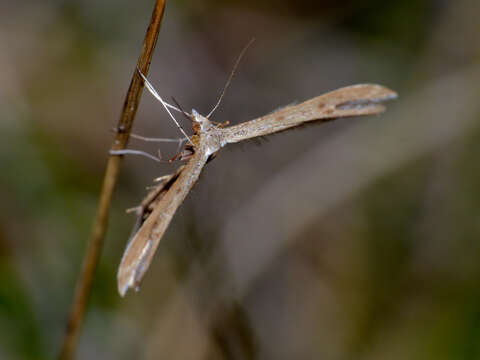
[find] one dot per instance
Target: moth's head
(200, 123)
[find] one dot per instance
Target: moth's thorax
(209, 134)
(201, 121)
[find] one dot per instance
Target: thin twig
(92, 254)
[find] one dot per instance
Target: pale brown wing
(140, 250)
(150, 201)
(352, 100)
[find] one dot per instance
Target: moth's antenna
(229, 80)
(186, 114)
(165, 105)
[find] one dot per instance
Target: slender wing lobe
(141, 248)
(355, 100)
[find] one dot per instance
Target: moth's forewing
(139, 252)
(150, 201)
(353, 100)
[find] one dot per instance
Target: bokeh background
(356, 239)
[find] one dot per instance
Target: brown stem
(92, 254)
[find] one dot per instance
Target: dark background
(357, 239)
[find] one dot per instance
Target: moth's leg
(179, 146)
(175, 157)
(152, 139)
(162, 179)
(180, 141)
(136, 152)
(136, 209)
(184, 155)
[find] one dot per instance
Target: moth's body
(210, 136)
(207, 140)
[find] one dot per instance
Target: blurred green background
(357, 239)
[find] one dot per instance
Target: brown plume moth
(160, 205)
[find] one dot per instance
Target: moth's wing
(140, 250)
(355, 100)
(147, 205)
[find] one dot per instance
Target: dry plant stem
(92, 254)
